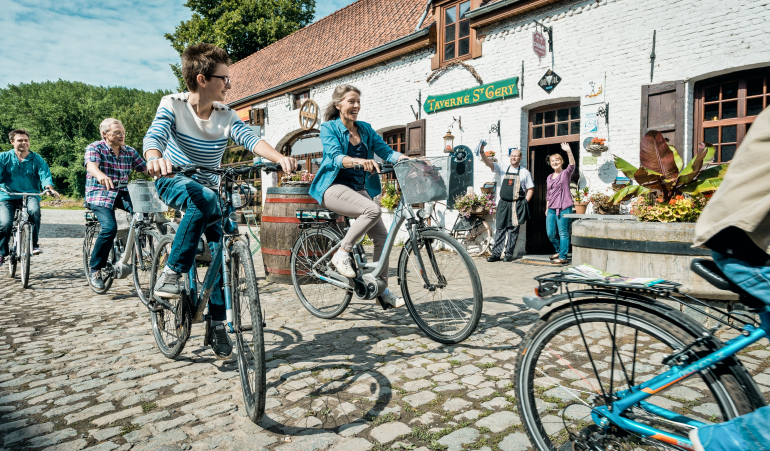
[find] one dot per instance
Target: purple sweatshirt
(558, 196)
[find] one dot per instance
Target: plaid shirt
(117, 168)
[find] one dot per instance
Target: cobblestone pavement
(81, 371)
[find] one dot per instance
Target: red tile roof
(354, 29)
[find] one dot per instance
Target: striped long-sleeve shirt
(184, 138)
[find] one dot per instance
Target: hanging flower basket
(597, 148)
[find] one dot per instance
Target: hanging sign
(549, 81)
(588, 121)
(538, 44)
(308, 114)
(484, 93)
(593, 90)
(243, 114)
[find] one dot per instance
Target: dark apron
(513, 209)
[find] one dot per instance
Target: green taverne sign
(472, 96)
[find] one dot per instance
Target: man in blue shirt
(21, 171)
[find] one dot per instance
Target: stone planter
(644, 249)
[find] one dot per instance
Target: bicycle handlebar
(385, 168)
(11, 193)
(190, 169)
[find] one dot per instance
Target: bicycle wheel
(148, 238)
(92, 232)
(12, 258)
(171, 327)
(249, 336)
(475, 241)
(322, 299)
(25, 253)
(565, 364)
(446, 314)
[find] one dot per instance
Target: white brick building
(702, 48)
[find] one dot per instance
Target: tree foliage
(63, 117)
(241, 27)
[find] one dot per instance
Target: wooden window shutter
(415, 138)
(663, 110)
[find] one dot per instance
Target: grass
(147, 406)
(381, 419)
(126, 428)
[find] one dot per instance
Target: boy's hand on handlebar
(288, 164)
(159, 168)
(52, 191)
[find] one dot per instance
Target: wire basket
(145, 198)
(424, 179)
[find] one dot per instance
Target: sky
(117, 43)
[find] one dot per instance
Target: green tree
(63, 117)
(241, 27)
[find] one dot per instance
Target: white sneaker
(36, 251)
(344, 265)
(391, 299)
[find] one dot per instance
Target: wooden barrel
(279, 230)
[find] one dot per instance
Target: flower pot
(478, 210)
(292, 183)
(596, 148)
(580, 207)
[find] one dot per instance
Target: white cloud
(120, 43)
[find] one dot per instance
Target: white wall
(696, 39)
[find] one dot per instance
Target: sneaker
(388, 297)
(493, 259)
(344, 265)
(220, 342)
(36, 251)
(167, 285)
(97, 280)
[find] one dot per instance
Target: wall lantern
(448, 142)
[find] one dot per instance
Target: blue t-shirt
(353, 178)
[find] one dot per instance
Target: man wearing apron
(516, 190)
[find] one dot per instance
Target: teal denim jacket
(28, 176)
(335, 137)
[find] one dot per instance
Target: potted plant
(390, 196)
(475, 204)
(581, 200)
(302, 178)
(491, 155)
(597, 145)
(603, 203)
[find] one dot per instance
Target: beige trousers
(359, 205)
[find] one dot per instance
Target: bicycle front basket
(145, 198)
(423, 179)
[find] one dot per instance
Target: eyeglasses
(226, 79)
(118, 133)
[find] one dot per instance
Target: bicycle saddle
(709, 270)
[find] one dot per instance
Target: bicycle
(446, 314)
(619, 325)
(131, 253)
(20, 247)
(473, 233)
(172, 319)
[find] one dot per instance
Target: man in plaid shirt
(108, 162)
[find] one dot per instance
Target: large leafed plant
(663, 172)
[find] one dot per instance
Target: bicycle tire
(166, 323)
(26, 253)
(318, 297)
(148, 238)
(479, 244)
(92, 232)
(12, 259)
(655, 320)
(408, 274)
(250, 343)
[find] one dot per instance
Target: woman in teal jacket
(339, 187)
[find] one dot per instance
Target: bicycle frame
(23, 217)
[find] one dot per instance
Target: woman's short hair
(548, 158)
(104, 127)
(202, 59)
(331, 112)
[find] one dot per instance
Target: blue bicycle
(172, 319)
(612, 368)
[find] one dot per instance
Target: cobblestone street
(81, 371)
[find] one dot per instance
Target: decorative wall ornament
(440, 71)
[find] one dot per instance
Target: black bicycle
(20, 248)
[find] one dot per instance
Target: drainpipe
(424, 15)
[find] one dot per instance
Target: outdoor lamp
(448, 142)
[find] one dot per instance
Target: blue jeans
(6, 220)
(201, 207)
(754, 280)
(558, 229)
(109, 230)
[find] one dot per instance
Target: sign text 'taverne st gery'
(472, 96)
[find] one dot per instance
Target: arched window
(725, 108)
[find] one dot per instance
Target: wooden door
(663, 110)
(537, 239)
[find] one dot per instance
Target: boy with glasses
(193, 128)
